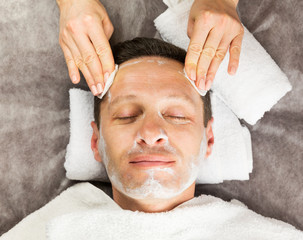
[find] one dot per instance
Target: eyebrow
(129, 97)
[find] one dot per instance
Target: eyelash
(132, 117)
(125, 118)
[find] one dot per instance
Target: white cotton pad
(109, 82)
(201, 92)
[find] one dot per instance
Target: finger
(72, 68)
(90, 58)
(190, 27)
(207, 55)
(108, 27)
(234, 54)
(80, 64)
(102, 49)
(199, 35)
(215, 63)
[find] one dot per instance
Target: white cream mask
(110, 79)
(159, 183)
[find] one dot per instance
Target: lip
(152, 161)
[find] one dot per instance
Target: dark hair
(142, 47)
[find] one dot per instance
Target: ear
(95, 141)
(209, 137)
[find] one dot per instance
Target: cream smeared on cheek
(109, 97)
(102, 148)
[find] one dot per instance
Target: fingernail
(106, 75)
(201, 83)
(208, 85)
(74, 78)
(208, 82)
(232, 70)
(193, 75)
(94, 90)
(99, 87)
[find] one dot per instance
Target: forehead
(153, 78)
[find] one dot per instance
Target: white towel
(258, 84)
(231, 157)
(203, 217)
(83, 198)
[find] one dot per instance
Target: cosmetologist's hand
(85, 29)
(213, 27)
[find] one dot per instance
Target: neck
(152, 205)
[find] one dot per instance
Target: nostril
(140, 141)
(161, 140)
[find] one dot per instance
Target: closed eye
(125, 118)
(177, 117)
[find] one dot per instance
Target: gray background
(34, 106)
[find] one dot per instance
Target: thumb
(108, 27)
(190, 27)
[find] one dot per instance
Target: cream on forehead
(110, 80)
(123, 65)
(160, 62)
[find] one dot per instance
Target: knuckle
(209, 52)
(60, 41)
(69, 60)
(89, 58)
(196, 48)
(206, 17)
(79, 62)
(220, 54)
(213, 73)
(64, 33)
(70, 26)
(237, 27)
(88, 19)
(201, 72)
(224, 19)
(111, 29)
(101, 49)
(235, 49)
(189, 31)
(207, 14)
(241, 30)
(98, 78)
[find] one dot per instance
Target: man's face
(151, 129)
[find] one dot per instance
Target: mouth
(152, 161)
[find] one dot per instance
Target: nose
(151, 132)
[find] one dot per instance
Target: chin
(155, 188)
